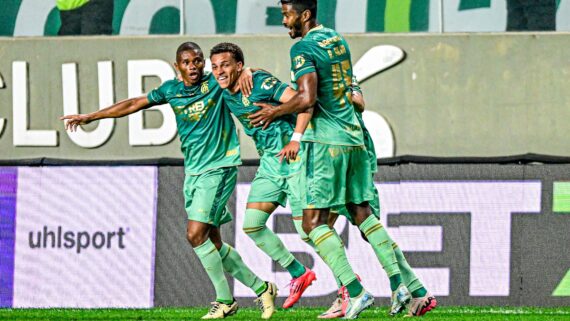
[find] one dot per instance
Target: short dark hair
(186, 46)
(302, 5)
(232, 48)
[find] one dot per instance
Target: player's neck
(308, 26)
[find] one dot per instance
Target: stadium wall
(100, 236)
(453, 95)
(141, 17)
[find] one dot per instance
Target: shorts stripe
(219, 193)
(309, 173)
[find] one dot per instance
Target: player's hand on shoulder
(72, 121)
(245, 81)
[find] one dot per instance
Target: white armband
(296, 137)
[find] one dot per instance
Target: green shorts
(206, 195)
(272, 189)
(335, 175)
(374, 205)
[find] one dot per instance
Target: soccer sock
(254, 226)
(212, 263)
(382, 245)
(419, 293)
(338, 283)
(299, 227)
(233, 264)
(354, 288)
(412, 282)
(296, 269)
(332, 251)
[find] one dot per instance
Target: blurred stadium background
(471, 128)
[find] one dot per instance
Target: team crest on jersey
(298, 61)
(245, 101)
(204, 89)
(269, 83)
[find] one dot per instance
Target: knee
(195, 239)
(254, 221)
(309, 226)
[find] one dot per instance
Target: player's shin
(332, 251)
(233, 264)
(255, 227)
(414, 284)
(382, 245)
(212, 262)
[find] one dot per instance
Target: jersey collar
(319, 27)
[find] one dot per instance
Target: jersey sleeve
(158, 95)
(267, 87)
(302, 62)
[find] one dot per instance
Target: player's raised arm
(304, 99)
(120, 109)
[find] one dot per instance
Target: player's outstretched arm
(120, 109)
(304, 99)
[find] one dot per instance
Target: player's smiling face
(292, 20)
(190, 64)
(226, 70)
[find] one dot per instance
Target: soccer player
(211, 156)
(276, 180)
(337, 164)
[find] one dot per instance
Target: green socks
(254, 226)
(212, 263)
(410, 278)
(382, 245)
(395, 281)
(296, 269)
(233, 264)
(330, 248)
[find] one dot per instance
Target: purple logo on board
(8, 183)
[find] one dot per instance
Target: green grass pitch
(440, 313)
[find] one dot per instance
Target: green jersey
(206, 129)
(325, 52)
(269, 141)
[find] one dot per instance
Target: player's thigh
(295, 193)
(206, 195)
(268, 189)
(324, 176)
(359, 184)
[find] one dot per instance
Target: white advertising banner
(85, 237)
(489, 204)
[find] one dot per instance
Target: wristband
(296, 137)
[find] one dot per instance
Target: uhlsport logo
(79, 241)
